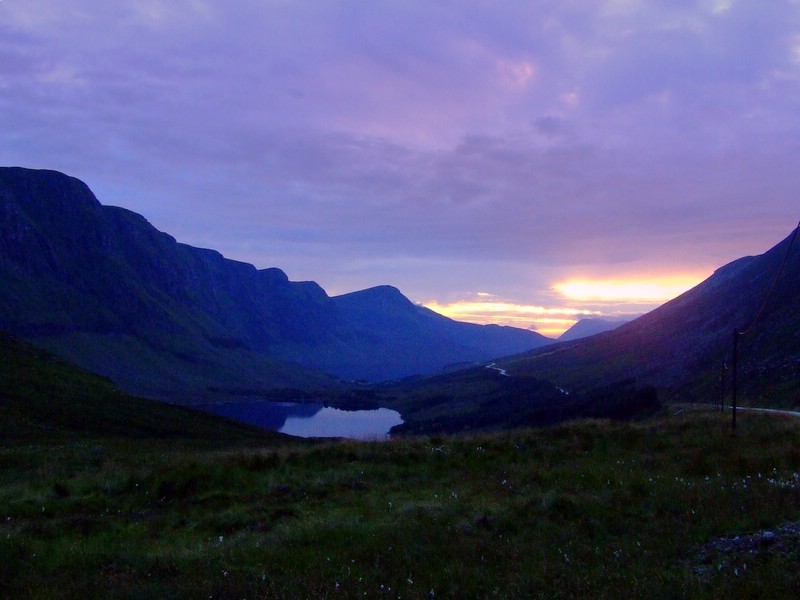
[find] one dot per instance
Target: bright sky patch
(655, 290)
(549, 321)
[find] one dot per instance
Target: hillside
(107, 496)
(673, 507)
(102, 287)
(683, 346)
(44, 399)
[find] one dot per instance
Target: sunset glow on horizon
(627, 290)
(575, 300)
(550, 322)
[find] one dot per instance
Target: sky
(525, 163)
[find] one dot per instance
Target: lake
(308, 419)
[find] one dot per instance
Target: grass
(590, 509)
(103, 495)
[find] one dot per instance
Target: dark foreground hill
(100, 286)
(685, 346)
(44, 399)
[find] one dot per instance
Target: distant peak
(274, 274)
(384, 290)
(591, 326)
(380, 297)
(46, 188)
(378, 291)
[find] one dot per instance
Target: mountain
(101, 287)
(683, 347)
(429, 340)
(587, 327)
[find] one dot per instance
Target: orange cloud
(579, 299)
(626, 290)
(549, 321)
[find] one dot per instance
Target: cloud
(654, 290)
(361, 143)
(550, 127)
(549, 321)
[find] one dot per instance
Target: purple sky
(475, 154)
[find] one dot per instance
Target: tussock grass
(590, 509)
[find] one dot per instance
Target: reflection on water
(308, 419)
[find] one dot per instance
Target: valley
(102, 288)
(399, 300)
(517, 467)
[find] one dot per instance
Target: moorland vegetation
(675, 505)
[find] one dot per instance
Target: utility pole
(736, 335)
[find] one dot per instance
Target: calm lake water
(308, 419)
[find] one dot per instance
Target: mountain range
(101, 287)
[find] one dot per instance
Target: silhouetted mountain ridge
(102, 287)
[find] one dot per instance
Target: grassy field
(589, 509)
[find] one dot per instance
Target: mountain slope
(102, 287)
(682, 346)
(45, 399)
